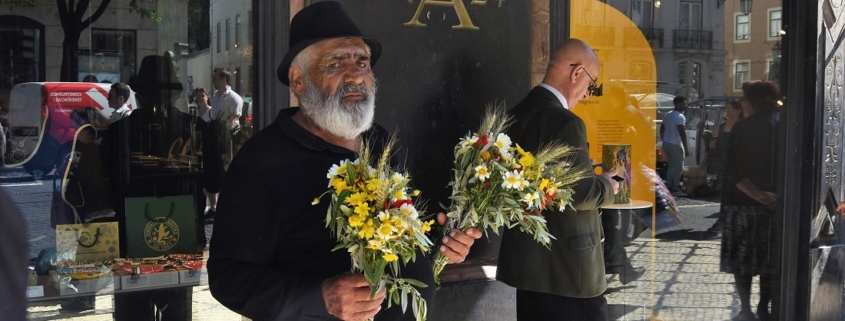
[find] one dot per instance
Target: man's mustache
(345, 89)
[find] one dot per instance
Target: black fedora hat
(321, 21)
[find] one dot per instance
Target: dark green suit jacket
(574, 264)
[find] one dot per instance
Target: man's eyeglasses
(594, 89)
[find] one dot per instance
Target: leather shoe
(631, 275)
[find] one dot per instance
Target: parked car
(40, 128)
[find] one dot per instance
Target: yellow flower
(368, 230)
(356, 198)
(355, 221)
(543, 184)
(362, 209)
(390, 257)
(427, 225)
(416, 192)
(485, 155)
(400, 195)
(526, 160)
(400, 225)
(315, 201)
(385, 230)
(373, 184)
(339, 185)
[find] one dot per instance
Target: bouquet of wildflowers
(373, 217)
(496, 184)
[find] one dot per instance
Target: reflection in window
(690, 15)
(640, 70)
(237, 30)
(690, 73)
(742, 27)
(112, 56)
(741, 73)
(774, 23)
(21, 51)
(228, 37)
(218, 37)
(641, 13)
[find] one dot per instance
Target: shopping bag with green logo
(160, 225)
(87, 243)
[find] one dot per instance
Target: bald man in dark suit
(565, 282)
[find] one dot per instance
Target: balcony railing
(654, 36)
(692, 39)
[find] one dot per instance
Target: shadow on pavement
(688, 234)
(618, 311)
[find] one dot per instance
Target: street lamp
(746, 6)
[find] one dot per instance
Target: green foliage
(139, 7)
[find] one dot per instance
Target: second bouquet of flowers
(373, 217)
(499, 184)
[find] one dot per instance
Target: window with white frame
(742, 70)
(774, 23)
(690, 15)
(642, 13)
(742, 27)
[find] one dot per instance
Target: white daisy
(513, 180)
(482, 172)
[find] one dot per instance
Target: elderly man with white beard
(271, 254)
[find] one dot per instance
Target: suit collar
(550, 93)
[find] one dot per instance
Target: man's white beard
(329, 112)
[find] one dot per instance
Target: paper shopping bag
(87, 243)
(160, 225)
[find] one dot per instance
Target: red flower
(487, 184)
(482, 141)
(399, 203)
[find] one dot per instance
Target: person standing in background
(733, 113)
(674, 135)
(749, 231)
(203, 101)
(226, 109)
(225, 103)
(118, 96)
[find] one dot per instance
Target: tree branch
(62, 5)
(100, 10)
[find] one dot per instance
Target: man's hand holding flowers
(456, 245)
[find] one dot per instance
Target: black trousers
(536, 306)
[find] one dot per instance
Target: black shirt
(271, 249)
(751, 154)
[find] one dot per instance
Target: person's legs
(765, 297)
(211, 204)
(743, 289)
(536, 306)
(675, 166)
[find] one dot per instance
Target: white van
(40, 127)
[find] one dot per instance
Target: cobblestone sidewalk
(682, 282)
